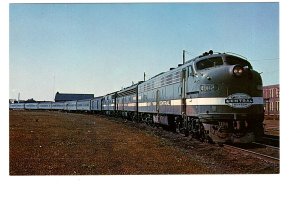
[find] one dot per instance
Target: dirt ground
(272, 126)
(57, 143)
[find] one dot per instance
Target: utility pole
(183, 57)
(53, 86)
(144, 76)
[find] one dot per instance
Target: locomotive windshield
(233, 60)
(209, 62)
(218, 60)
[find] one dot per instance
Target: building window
(271, 93)
(271, 106)
(266, 94)
(277, 106)
(277, 92)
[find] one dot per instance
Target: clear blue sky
(99, 48)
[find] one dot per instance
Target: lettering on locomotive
(208, 87)
(239, 100)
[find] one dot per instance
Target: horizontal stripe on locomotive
(108, 105)
(219, 101)
(126, 105)
(199, 102)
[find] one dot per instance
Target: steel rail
(266, 145)
(258, 155)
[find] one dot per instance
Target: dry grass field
(57, 143)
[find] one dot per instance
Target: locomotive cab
(220, 60)
(224, 98)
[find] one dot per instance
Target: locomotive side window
(190, 71)
(233, 60)
(209, 62)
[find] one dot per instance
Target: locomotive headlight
(238, 70)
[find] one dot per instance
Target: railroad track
(269, 140)
(273, 137)
(253, 153)
(259, 146)
(266, 145)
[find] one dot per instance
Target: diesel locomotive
(215, 97)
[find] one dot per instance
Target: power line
(190, 53)
(255, 60)
(265, 59)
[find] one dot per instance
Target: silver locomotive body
(214, 97)
(229, 105)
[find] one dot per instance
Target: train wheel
(220, 144)
(186, 132)
(178, 125)
(198, 130)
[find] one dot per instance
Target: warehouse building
(62, 97)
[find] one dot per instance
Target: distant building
(12, 100)
(24, 101)
(271, 101)
(20, 101)
(30, 101)
(61, 97)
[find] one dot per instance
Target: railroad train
(215, 97)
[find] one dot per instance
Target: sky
(100, 48)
